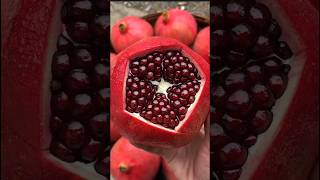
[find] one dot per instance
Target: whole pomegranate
(177, 24)
(130, 162)
(128, 31)
(202, 43)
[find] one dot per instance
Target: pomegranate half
(159, 92)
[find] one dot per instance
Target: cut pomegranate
(250, 75)
(163, 101)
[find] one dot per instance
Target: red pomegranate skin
(134, 29)
(202, 43)
(179, 25)
(137, 163)
(142, 132)
(114, 133)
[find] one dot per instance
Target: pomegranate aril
(278, 84)
(62, 152)
(63, 43)
(56, 124)
(60, 103)
(231, 174)
(263, 47)
(60, 64)
(232, 156)
(259, 17)
(274, 31)
(250, 141)
(98, 126)
(90, 152)
(79, 31)
(261, 121)
(55, 86)
(77, 81)
(283, 50)
(239, 103)
(217, 16)
(242, 37)
(81, 10)
(218, 137)
(102, 98)
(82, 58)
(102, 165)
(234, 13)
(74, 135)
(262, 96)
(100, 76)
(83, 106)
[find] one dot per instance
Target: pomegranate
(251, 72)
(177, 24)
(114, 134)
(202, 43)
(161, 88)
(130, 162)
(129, 30)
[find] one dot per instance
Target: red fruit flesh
(156, 119)
(130, 162)
(177, 24)
(202, 43)
(128, 31)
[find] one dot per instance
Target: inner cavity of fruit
(249, 73)
(161, 87)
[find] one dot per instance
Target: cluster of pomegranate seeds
(146, 76)
(248, 74)
(80, 86)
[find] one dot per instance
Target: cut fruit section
(163, 100)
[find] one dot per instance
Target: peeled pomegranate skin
(164, 122)
(202, 43)
(129, 30)
(130, 162)
(177, 24)
(253, 75)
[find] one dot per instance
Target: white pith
(86, 171)
(256, 152)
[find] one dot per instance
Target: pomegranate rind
(147, 133)
(136, 29)
(181, 25)
(202, 43)
(139, 164)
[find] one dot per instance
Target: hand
(188, 162)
